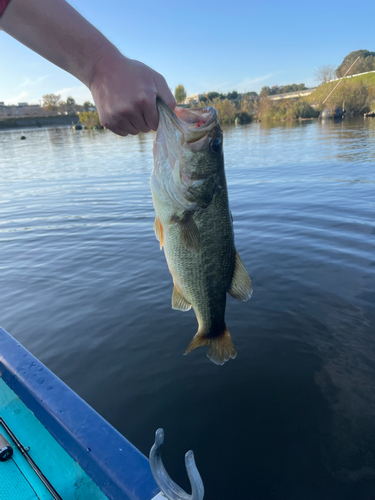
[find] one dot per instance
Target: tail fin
(220, 348)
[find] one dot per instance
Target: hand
(124, 91)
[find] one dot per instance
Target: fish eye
(216, 145)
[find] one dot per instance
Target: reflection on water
(84, 287)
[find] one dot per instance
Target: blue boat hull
(118, 468)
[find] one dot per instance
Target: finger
(118, 131)
(123, 127)
(151, 116)
(163, 90)
(113, 125)
(138, 121)
(127, 126)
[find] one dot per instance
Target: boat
(53, 445)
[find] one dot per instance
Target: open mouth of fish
(183, 132)
(184, 138)
(189, 126)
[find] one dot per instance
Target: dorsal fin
(240, 287)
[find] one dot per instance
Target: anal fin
(178, 300)
(240, 287)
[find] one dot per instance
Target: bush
(287, 109)
(354, 97)
(90, 119)
(303, 109)
(228, 110)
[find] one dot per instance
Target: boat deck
(81, 455)
(18, 481)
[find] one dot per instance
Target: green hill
(356, 94)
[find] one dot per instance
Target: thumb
(163, 91)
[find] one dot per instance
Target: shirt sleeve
(3, 6)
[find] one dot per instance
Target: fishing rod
(341, 79)
(30, 461)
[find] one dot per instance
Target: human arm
(124, 90)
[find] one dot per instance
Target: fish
(194, 225)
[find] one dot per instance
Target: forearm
(124, 90)
(56, 31)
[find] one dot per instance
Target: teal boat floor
(13, 484)
(18, 481)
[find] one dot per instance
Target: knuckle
(144, 100)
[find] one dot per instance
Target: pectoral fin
(178, 300)
(158, 228)
(189, 233)
(240, 288)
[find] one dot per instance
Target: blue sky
(206, 46)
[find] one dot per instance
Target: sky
(204, 45)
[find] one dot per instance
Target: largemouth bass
(194, 224)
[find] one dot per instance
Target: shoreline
(38, 121)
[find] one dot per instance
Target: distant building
(21, 109)
(194, 99)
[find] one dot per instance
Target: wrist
(104, 61)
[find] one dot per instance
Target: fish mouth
(180, 136)
(193, 125)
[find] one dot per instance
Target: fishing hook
(168, 487)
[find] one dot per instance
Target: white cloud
(217, 86)
(80, 93)
(247, 84)
(29, 81)
(16, 99)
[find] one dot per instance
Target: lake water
(85, 288)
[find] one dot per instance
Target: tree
(70, 104)
(232, 95)
(212, 95)
(51, 102)
(180, 94)
(365, 63)
(265, 91)
(63, 107)
(275, 89)
(87, 105)
(325, 73)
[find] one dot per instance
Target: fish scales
(194, 224)
(204, 277)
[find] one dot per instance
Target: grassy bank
(287, 109)
(263, 109)
(356, 95)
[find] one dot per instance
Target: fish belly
(204, 276)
